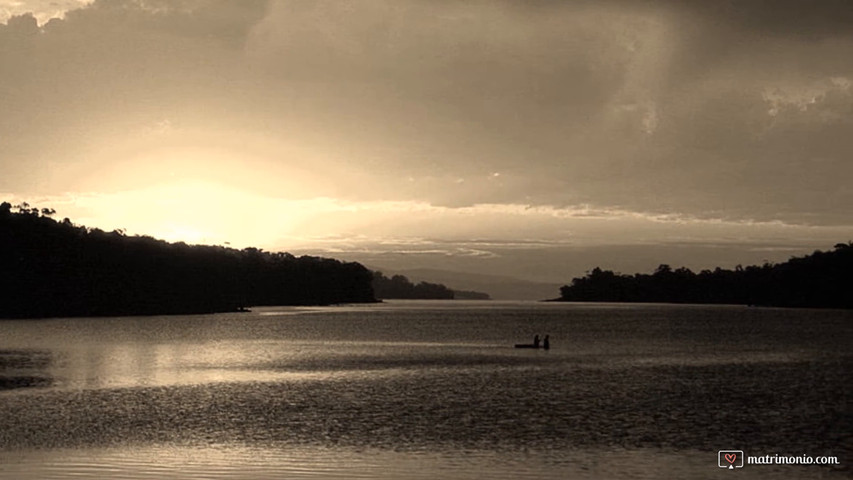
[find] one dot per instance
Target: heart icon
(731, 457)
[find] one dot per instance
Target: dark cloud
(813, 19)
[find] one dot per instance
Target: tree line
(56, 268)
(821, 279)
(400, 287)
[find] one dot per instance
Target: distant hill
(50, 268)
(470, 295)
(821, 280)
(498, 287)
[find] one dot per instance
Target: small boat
(544, 345)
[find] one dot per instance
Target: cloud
(738, 112)
(41, 10)
(784, 18)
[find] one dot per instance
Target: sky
(536, 139)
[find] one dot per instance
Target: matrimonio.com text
(732, 459)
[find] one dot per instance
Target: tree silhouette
(822, 279)
(52, 268)
(400, 287)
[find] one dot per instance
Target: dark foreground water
(427, 390)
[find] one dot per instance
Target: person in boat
(545, 343)
(536, 341)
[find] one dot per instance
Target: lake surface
(427, 390)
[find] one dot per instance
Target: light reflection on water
(256, 463)
(336, 463)
(432, 388)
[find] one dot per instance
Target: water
(426, 390)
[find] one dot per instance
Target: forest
(56, 268)
(823, 279)
(400, 287)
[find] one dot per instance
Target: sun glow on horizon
(203, 211)
(181, 233)
(192, 211)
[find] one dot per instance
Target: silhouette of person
(545, 343)
(536, 341)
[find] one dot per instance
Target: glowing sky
(536, 139)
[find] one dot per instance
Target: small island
(819, 280)
(470, 295)
(399, 287)
(59, 269)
